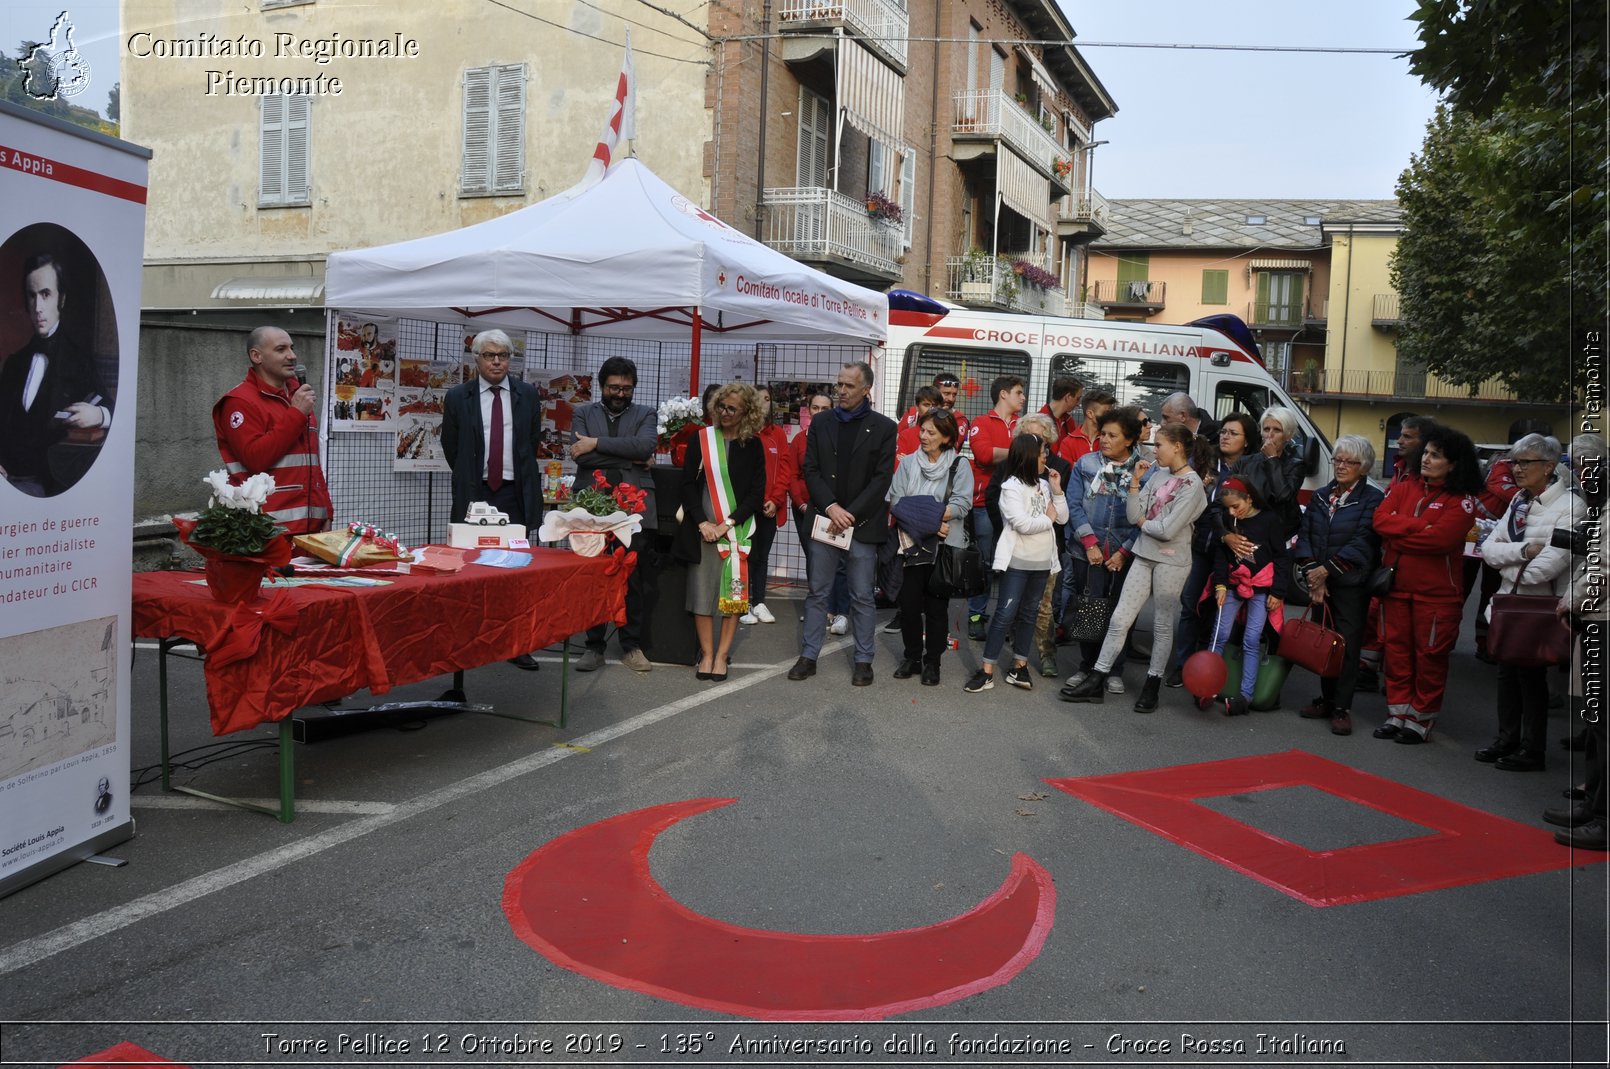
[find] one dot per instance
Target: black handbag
(958, 572)
(1380, 582)
(1087, 615)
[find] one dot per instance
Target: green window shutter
(1260, 312)
(1133, 267)
(1215, 287)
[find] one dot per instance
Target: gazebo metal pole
(693, 373)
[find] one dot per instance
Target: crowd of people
(1080, 516)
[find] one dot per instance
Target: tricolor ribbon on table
(734, 548)
(368, 533)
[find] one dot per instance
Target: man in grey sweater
(617, 437)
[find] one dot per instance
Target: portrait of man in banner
(59, 381)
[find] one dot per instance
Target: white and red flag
(622, 124)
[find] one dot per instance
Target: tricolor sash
(734, 548)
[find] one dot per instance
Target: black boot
(1147, 702)
(1092, 688)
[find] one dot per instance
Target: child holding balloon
(1251, 571)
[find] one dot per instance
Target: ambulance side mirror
(1311, 456)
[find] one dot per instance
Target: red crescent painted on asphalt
(588, 902)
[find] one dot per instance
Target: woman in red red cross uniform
(1423, 523)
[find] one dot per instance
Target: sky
(1196, 124)
(1190, 123)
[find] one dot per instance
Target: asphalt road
(377, 919)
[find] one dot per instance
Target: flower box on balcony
(977, 291)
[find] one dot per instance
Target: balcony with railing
(1331, 384)
(1275, 315)
(985, 116)
(816, 225)
(882, 24)
(1384, 313)
(1318, 311)
(982, 281)
(1082, 216)
(1129, 295)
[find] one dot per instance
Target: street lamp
(1090, 165)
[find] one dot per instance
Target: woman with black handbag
(1337, 551)
(1164, 512)
(1520, 548)
(932, 476)
(1099, 521)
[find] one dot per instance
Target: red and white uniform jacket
(779, 461)
(259, 430)
(1423, 531)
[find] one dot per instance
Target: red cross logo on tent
(721, 279)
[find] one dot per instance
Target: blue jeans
(861, 561)
(838, 602)
(984, 539)
(1018, 602)
(1251, 635)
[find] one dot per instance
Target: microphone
(301, 374)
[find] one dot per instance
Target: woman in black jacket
(1275, 471)
(1337, 550)
(706, 524)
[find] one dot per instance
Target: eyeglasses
(493, 356)
(729, 410)
(620, 390)
(1343, 462)
(1524, 463)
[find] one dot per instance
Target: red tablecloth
(326, 642)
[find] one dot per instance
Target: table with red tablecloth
(301, 645)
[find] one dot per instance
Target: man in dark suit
(48, 389)
(848, 465)
(490, 429)
(499, 469)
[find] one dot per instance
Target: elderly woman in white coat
(1521, 551)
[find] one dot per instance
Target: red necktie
(494, 448)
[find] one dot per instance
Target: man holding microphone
(266, 424)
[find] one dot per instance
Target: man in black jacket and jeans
(848, 465)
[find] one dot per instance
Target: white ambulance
(1215, 360)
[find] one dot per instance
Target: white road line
(37, 949)
(185, 801)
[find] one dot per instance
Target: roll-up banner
(72, 238)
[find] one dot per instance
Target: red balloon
(1204, 673)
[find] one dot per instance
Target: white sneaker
(839, 625)
(749, 618)
(763, 614)
(1115, 684)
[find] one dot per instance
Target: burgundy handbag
(1525, 632)
(1314, 646)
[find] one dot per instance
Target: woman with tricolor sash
(723, 489)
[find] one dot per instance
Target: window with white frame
(282, 136)
(493, 156)
(815, 139)
(877, 167)
(908, 192)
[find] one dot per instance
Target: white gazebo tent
(627, 257)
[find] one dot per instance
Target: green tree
(1502, 265)
(114, 102)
